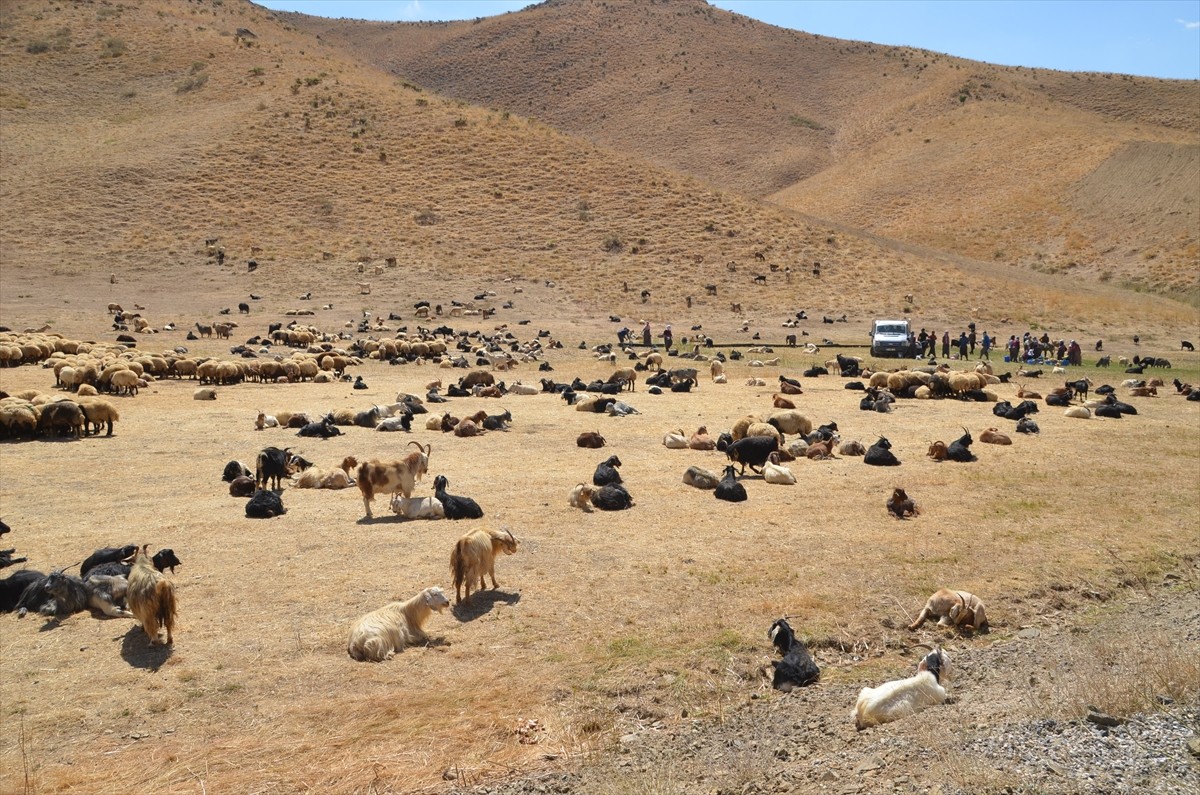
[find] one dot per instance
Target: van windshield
(891, 328)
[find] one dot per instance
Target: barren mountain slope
(927, 148)
(132, 134)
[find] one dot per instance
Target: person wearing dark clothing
(962, 345)
(1014, 348)
(646, 334)
(622, 336)
(985, 347)
(1062, 350)
(1075, 354)
(667, 336)
(971, 339)
(946, 345)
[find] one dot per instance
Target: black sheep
(752, 451)
(797, 668)
(612, 497)
(456, 507)
(606, 472)
(1059, 399)
(960, 449)
(729, 489)
(880, 454)
(723, 441)
(264, 505)
(106, 555)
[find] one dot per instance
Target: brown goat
(626, 376)
(821, 450)
(467, 427)
(379, 477)
(591, 439)
(474, 556)
(781, 402)
(993, 436)
(1028, 394)
(449, 422)
(899, 505)
(700, 440)
(1144, 391)
(937, 451)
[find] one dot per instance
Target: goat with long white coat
(903, 697)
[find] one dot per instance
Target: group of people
(624, 335)
(1023, 349)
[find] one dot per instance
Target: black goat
(456, 507)
(1104, 389)
(62, 594)
(1105, 410)
(815, 371)
(368, 418)
(234, 469)
(960, 449)
(729, 489)
(163, 559)
(1026, 425)
(12, 586)
(497, 422)
(752, 451)
(322, 429)
(272, 465)
(106, 555)
(612, 497)
(1080, 387)
(264, 505)
(797, 668)
(1060, 399)
(684, 386)
(880, 454)
(606, 472)
(723, 441)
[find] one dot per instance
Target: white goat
(378, 635)
(418, 507)
(903, 697)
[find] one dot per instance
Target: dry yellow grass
(259, 695)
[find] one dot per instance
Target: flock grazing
(127, 582)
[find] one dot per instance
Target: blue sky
(1156, 38)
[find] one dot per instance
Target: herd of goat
(128, 582)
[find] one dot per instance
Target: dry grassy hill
(997, 163)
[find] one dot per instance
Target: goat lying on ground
(378, 635)
(797, 668)
(903, 697)
(900, 506)
(953, 609)
(581, 497)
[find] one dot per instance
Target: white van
(890, 338)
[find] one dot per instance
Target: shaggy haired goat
(151, 598)
(953, 609)
(474, 556)
(900, 698)
(378, 635)
(379, 477)
(900, 506)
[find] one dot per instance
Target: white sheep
(378, 635)
(523, 389)
(903, 697)
(265, 421)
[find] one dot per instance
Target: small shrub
(801, 121)
(426, 217)
(422, 102)
(38, 47)
(193, 83)
(113, 48)
(612, 243)
(460, 122)
(257, 71)
(197, 66)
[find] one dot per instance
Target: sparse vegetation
(37, 47)
(113, 48)
(193, 82)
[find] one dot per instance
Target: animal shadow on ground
(393, 519)
(137, 651)
(481, 603)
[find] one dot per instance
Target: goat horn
(418, 444)
(922, 646)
